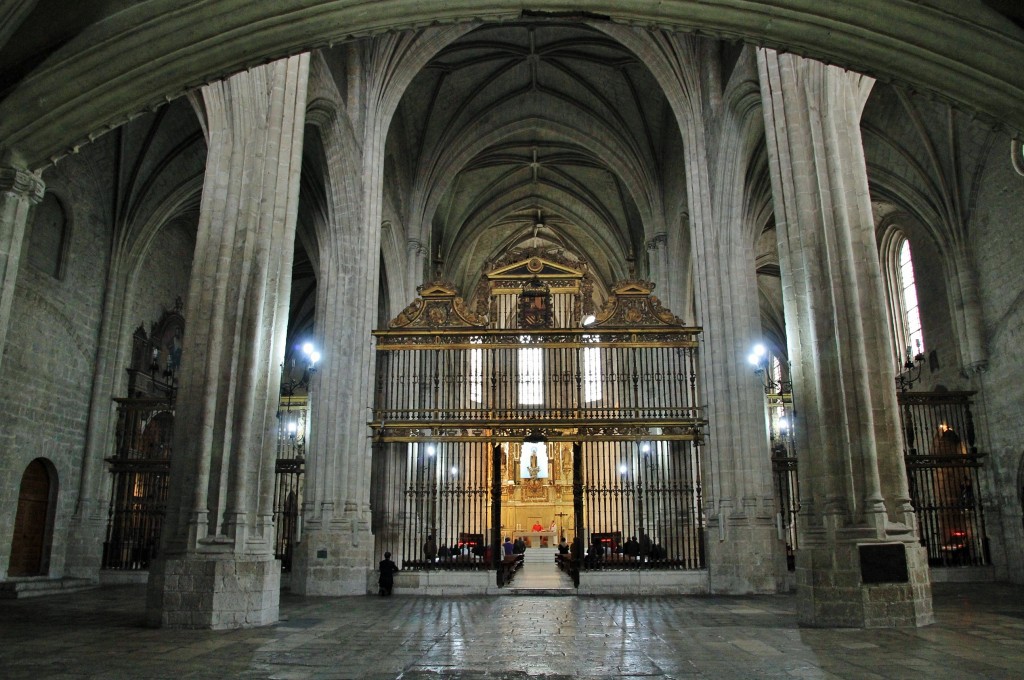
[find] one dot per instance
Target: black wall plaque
(883, 563)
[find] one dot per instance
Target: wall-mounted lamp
(308, 360)
(758, 358)
(910, 372)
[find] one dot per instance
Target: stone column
(859, 562)
(19, 191)
(218, 568)
(744, 551)
(657, 267)
(414, 261)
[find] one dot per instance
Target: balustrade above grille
(601, 382)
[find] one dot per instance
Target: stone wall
(998, 241)
(48, 361)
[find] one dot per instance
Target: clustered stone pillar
(218, 568)
(859, 561)
(19, 191)
(744, 551)
(657, 266)
(415, 256)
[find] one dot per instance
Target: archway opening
(33, 522)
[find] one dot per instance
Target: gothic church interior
(730, 304)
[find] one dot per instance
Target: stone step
(539, 592)
(534, 555)
(17, 588)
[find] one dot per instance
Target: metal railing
(289, 475)
(944, 476)
(140, 467)
(452, 406)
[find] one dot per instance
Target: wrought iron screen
(642, 505)
(289, 469)
(434, 503)
(446, 398)
(944, 475)
(784, 467)
(139, 467)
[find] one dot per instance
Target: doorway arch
(33, 521)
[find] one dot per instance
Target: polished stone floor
(99, 634)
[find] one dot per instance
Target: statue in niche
(533, 462)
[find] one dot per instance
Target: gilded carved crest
(438, 306)
(631, 305)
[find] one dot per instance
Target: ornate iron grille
(784, 466)
(446, 398)
(289, 468)
(140, 468)
(433, 509)
(605, 381)
(787, 501)
(642, 505)
(456, 402)
(943, 472)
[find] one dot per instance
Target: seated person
(442, 552)
(563, 547)
(631, 547)
(508, 546)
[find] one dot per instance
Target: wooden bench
(510, 564)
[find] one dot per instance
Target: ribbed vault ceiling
(515, 126)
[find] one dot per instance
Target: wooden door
(28, 545)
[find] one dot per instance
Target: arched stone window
(48, 239)
(901, 285)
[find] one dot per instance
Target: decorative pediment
(631, 305)
(530, 263)
(535, 267)
(438, 306)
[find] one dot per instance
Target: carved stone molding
(657, 241)
(22, 182)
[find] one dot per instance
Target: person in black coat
(387, 569)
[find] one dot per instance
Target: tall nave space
(305, 305)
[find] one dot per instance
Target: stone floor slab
(100, 634)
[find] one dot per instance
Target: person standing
(429, 549)
(387, 569)
(645, 545)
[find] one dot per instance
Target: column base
(864, 585)
(85, 546)
(213, 592)
(752, 559)
(333, 563)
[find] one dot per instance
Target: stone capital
(22, 183)
(657, 241)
